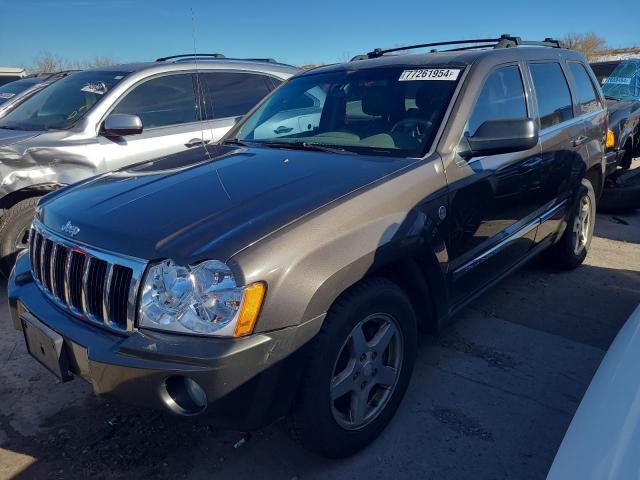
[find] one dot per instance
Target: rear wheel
(359, 368)
(14, 232)
(573, 247)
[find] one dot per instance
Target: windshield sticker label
(98, 88)
(619, 81)
(449, 74)
(6, 95)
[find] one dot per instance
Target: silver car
(105, 118)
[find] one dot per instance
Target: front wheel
(572, 248)
(359, 368)
(14, 232)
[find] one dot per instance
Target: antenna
(200, 91)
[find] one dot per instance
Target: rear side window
(230, 94)
(162, 101)
(502, 97)
(552, 92)
(587, 97)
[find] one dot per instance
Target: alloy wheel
(366, 371)
(582, 225)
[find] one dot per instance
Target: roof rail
(504, 41)
(186, 55)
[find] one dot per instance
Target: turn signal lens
(250, 308)
(611, 139)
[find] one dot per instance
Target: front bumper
(135, 367)
(613, 159)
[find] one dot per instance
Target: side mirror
(120, 124)
(500, 136)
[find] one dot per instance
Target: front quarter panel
(309, 263)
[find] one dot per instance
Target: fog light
(183, 395)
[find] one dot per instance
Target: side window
(586, 92)
(552, 92)
(161, 101)
(502, 97)
(229, 94)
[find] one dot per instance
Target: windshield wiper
(235, 141)
(307, 146)
(609, 97)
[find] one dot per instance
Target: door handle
(194, 142)
(282, 129)
(581, 140)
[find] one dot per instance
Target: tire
(14, 231)
(570, 251)
(333, 427)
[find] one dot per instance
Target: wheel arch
(16, 196)
(414, 264)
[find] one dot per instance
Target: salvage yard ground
(491, 397)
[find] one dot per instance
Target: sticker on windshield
(450, 74)
(619, 81)
(98, 88)
(6, 95)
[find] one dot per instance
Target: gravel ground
(491, 397)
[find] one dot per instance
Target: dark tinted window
(230, 94)
(552, 91)
(161, 101)
(587, 97)
(501, 97)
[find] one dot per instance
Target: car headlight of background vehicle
(202, 299)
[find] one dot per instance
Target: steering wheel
(416, 127)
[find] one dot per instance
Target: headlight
(202, 298)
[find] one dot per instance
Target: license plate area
(46, 346)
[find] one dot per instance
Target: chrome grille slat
(67, 272)
(92, 284)
(85, 285)
(52, 266)
(106, 300)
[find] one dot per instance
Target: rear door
(563, 139)
(167, 106)
(493, 199)
(228, 95)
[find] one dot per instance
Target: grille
(93, 285)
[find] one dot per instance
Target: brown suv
(286, 270)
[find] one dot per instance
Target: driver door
(494, 199)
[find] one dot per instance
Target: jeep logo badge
(70, 229)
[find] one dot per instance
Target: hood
(172, 208)
(9, 137)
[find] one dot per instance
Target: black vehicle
(621, 89)
(287, 272)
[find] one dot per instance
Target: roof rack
(504, 41)
(187, 55)
(211, 56)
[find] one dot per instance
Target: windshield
(62, 104)
(10, 90)
(624, 81)
(383, 111)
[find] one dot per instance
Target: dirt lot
(490, 398)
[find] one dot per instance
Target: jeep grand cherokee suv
(105, 118)
(288, 274)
